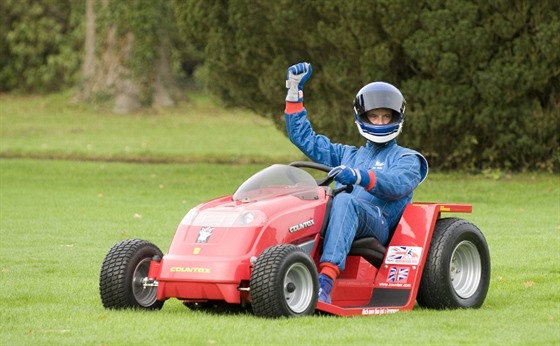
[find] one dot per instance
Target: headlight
(251, 218)
(247, 218)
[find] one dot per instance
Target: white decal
(301, 226)
(204, 234)
(378, 311)
(403, 255)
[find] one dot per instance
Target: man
(383, 173)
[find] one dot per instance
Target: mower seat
(370, 249)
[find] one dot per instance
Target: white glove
(295, 77)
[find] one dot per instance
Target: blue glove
(295, 77)
(350, 176)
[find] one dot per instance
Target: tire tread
(113, 288)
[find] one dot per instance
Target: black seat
(369, 248)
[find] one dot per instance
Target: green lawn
(196, 131)
(58, 219)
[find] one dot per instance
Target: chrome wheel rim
(145, 296)
(465, 269)
(298, 288)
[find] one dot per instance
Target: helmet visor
(378, 99)
(395, 117)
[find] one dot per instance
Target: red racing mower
(260, 248)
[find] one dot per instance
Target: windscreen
(277, 180)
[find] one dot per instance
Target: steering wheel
(323, 182)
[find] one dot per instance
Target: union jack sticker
(398, 274)
(403, 255)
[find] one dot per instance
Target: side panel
(396, 285)
(354, 285)
(397, 282)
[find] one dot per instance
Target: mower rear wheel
(124, 270)
(284, 282)
(457, 270)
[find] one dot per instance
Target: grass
(196, 131)
(58, 219)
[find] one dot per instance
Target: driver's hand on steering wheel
(350, 176)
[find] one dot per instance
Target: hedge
(481, 77)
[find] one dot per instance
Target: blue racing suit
(373, 213)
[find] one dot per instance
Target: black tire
(122, 272)
(284, 282)
(457, 270)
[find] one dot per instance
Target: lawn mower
(258, 249)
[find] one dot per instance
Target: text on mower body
(190, 270)
(301, 226)
(378, 311)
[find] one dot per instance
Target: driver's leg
(350, 218)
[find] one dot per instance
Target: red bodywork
(210, 256)
(395, 284)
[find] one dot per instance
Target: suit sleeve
(402, 178)
(318, 148)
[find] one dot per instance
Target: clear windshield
(277, 180)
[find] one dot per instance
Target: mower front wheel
(124, 270)
(284, 282)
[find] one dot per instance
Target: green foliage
(485, 92)
(40, 44)
(481, 77)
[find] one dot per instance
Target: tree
(40, 44)
(481, 77)
(485, 89)
(127, 54)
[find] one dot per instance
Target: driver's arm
(318, 148)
